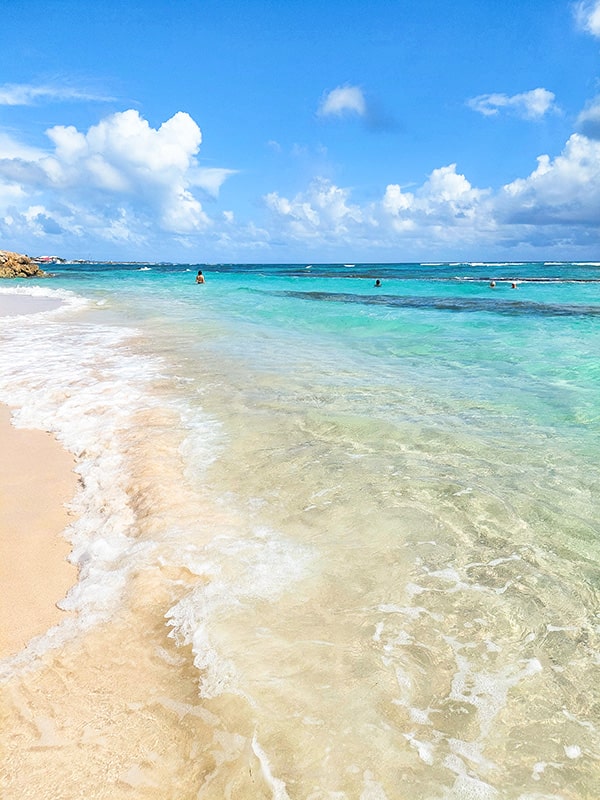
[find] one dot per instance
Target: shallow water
(334, 541)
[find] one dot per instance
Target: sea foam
(82, 383)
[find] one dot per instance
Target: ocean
(335, 540)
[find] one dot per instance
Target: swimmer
(199, 277)
(513, 285)
(378, 283)
(492, 284)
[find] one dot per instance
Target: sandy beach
(13, 304)
(326, 549)
(37, 481)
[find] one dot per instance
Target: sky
(244, 131)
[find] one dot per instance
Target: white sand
(13, 304)
(36, 481)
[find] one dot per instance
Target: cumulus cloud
(342, 101)
(146, 175)
(587, 14)
(562, 191)
(321, 211)
(445, 197)
(530, 105)
(588, 121)
(324, 213)
(123, 155)
(11, 196)
(444, 207)
(557, 205)
(24, 94)
(126, 183)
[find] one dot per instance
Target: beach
(331, 541)
(37, 484)
(11, 305)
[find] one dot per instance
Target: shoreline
(37, 483)
(14, 305)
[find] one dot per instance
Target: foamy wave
(68, 298)
(497, 263)
(83, 384)
(238, 571)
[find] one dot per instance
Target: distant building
(48, 260)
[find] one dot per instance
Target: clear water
(335, 541)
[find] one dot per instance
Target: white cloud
(588, 121)
(321, 211)
(324, 213)
(42, 221)
(587, 14)
(557, 205)
(444, 207)
(444, 196)
(122, 161)
(23, 94)
(210, 178)
(128, 141)
(395, 201)
(343, 100)
(11, 194)
(447, 187)
(124, 155)
(530, 105)
(11, 148)
(565, 190)
(133, 187)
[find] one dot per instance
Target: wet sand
(36, 482)
(14, 304)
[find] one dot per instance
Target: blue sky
(300, 130)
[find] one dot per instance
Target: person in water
(199, 277)
(492, 284)
(378, 283)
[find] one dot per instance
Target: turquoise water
(350, 532)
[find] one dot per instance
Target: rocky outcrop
(14, 265)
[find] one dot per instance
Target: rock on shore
(15, 265)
